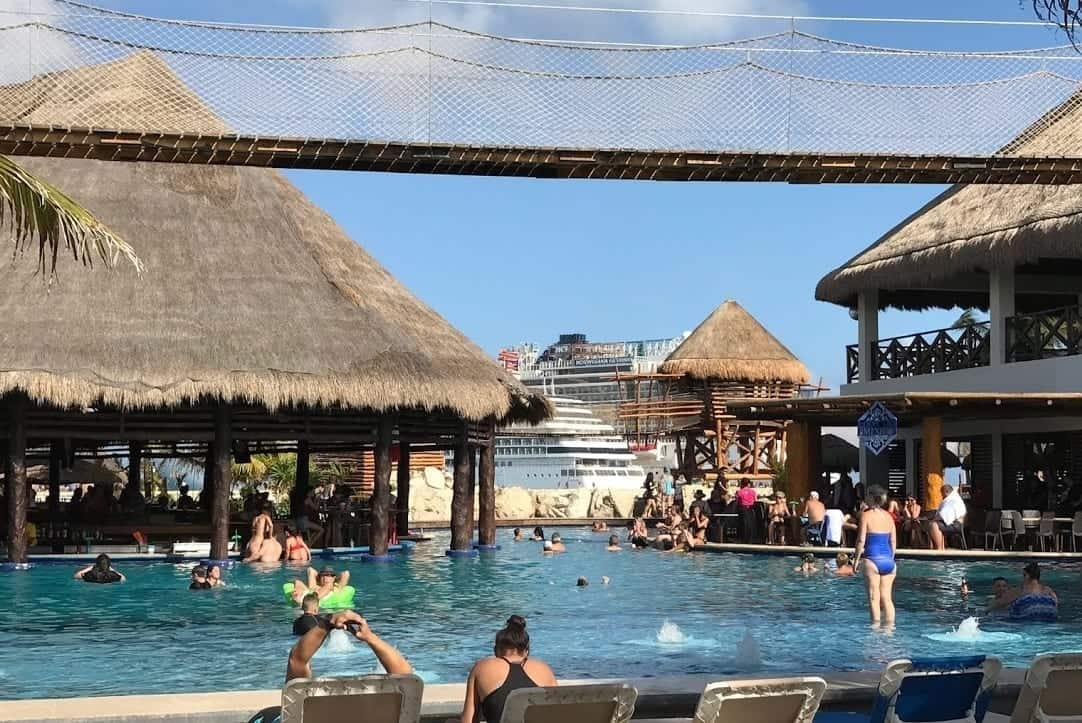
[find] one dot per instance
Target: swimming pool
(64, 638)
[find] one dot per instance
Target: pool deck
(669, 698)
(902, 553)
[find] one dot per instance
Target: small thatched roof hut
(940, 255)
(251, 293)
(731, 345)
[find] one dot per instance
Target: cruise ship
(572, 450)
(575, 368)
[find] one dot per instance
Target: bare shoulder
(540, 672)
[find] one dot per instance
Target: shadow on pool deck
(668, 698)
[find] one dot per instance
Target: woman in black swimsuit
(101, 572)
(511, 668)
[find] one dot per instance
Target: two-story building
(1010, 386)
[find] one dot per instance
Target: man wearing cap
(322, 583)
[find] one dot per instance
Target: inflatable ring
(340, 598)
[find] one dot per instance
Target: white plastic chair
(1046, 530)
(777, 700)
(601, 703)
(373, 698)
(991, 528)
(1007, 527)
(1076, 531)
(1049, 693)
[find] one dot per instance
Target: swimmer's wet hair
(310, 597)
(513, 636)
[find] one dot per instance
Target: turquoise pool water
(64, 638)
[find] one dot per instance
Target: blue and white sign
(877, 428)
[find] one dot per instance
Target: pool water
(661, 614)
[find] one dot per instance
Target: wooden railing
(1044, 334)
(929, 352)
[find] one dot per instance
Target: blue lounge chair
(933, 690)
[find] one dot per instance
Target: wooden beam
(931, 430)
(15, 478)
(135, 466)
(302, 483)
(56, 454)
(223, 483)
(402, 520)
(486, 488)
(381, 490)
(460, 497)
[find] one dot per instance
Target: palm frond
(39, 214)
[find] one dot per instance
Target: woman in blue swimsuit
(876, 542)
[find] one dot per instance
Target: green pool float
(340, 598)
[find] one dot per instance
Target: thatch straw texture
(731, 345)
(971, 228)
(250, 294)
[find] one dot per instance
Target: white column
(867, 332)
(1000, 307)
(997, 470)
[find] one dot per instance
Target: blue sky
(509, 260)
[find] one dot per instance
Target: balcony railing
(929, 352)
(1045, 334)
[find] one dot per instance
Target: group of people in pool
(876, 546)
(265, 546)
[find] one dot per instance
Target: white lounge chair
(373, 698)
(601, 703)
(777, 700)
(1050, 692)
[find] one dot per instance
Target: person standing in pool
(199, 579)
(214, 576)
(101, 572)
(262, 530)
(296, 549)
(509, 669)
(876, 544)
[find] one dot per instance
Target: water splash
(671, 634)
(969, 631)
(748, 653)
(338, 642)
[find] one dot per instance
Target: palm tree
(968, 318)
(39, 214)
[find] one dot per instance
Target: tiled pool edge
(662, 697)
(901, 554)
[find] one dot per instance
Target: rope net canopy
(428, 85)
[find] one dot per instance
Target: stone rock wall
(431, 492)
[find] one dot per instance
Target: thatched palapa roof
(731, 345)
(969, 229)
(251, 293)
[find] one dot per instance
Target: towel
(834, 520)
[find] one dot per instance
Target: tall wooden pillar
(206, 497)
(222, 477)
(303, 482)
(486, 488)
(691, 469)
(15, 478)
(381, 490)
(471, 505)
(720, 453)
(135, 466)
(402, 519)
(56, 454)
(461, 515)
(803, 450)
(931, 434)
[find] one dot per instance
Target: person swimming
(1033, 602)
(538, 534)
(199, 579)
(876, 543)
(309, 617)
(101, 572)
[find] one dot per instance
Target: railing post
(1000, 308)
(867, 333)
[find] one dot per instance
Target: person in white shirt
(949, 518)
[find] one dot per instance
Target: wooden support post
(206, 497)
(931, 431)
(486, 488)
(381, 490)
(402, 520)
(135, 466)
(302, 483)
(56, 454)
(15, 478)
(804, 454)
(691, 470)
(471, 506)
(815, 456)
(721, 456)
(756, 449)
(460, 497)
(222, 483)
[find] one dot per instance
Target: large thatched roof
(937, 256)
(251, 293)
(731, 345)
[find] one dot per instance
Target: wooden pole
(223, 483)
(931, 433)
(486, 488)
(815, 455)
(460, 497)
(720, 456)
(15, 477)
(206, 497)
(303, 482)
(799, 469)
(56, 454)
(135, 466)
(471, 506)
(756, 450)
(402, 520)
(381, 489)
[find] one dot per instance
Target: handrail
(926, 352)
(1045, 334)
